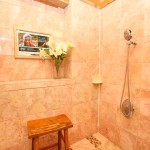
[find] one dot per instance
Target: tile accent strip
(94, 141)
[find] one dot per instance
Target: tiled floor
(95, 142)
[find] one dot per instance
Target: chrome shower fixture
(127, 108)
(130, 42)
(127, 34)
(128, 37)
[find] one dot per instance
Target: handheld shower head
(127, 34)
(128, 37)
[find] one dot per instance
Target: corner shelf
(96, 79)
(55, 3)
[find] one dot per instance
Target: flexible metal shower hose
(127, 78)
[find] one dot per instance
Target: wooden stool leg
(59, 140)
(32, 143)
(36, 143)
(66, 139)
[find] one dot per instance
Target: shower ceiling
(98, 3)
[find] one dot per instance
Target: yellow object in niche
(96, 79)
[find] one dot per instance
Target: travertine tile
(145, 103)
(83, 145)
(114, 50)
(111, 93)
(115, 75)
(145, 76)
(77, 97)
(146, 18)
(79, 72)
(144, 127)
(146, 46)
(109, 130)
(142, 144)
(81, 112)
(127, 140)
(135, 74)
(2, 144)
(105, 143)
(94, 142)
(20, 146)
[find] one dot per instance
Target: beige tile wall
(133, 133)
(23, 98)
(27, 88)
(31, 99)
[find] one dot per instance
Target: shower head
(127, 35)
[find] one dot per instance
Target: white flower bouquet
(56, 51)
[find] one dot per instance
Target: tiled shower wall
(31, 16)
(132, 133)
(26, 100)
(28, 90)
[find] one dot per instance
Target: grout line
(99, 24)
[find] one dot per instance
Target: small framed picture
(28, 43)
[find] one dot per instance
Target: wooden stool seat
(37, 128)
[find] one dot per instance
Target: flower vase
(57, 65)
(57, 71)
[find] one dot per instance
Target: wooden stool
(37, 128)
